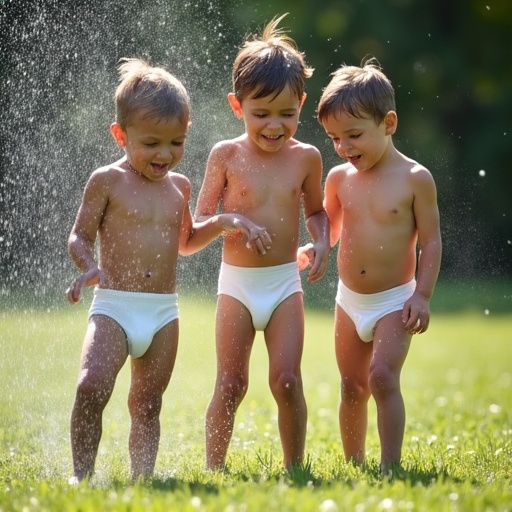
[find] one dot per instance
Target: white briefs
(140, 315)
(260, 289)
(366, 309)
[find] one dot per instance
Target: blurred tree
(447, 61)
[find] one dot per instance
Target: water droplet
(481, 173)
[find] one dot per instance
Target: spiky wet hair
(269, 62)
(150, 91)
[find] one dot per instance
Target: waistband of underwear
(136, 296)
(261, 271)
(371, 298)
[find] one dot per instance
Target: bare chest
(376, 201)
(261, 188)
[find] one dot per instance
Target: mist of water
(58, 76)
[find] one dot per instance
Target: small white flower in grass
(453, 496)
(328, 506)
(196, 502)
(386, 504)
(431, 439)
(495, 408)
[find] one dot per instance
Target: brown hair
(268, 63)
(150, 91)
(358, 91)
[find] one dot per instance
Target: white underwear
(366, 309)
(140, 315)
(260, 289)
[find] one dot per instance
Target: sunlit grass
(458, 442)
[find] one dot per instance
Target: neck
(130, 166)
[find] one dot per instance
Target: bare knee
(354, 391)
(231, 389)
(93, 391)
(285, 385)
(383, 380)
(147, 407)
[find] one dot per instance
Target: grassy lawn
(458, 442)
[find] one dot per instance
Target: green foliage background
(448, 61)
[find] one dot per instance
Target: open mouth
(272, 138)
(159, 168)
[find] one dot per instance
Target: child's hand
(91, 277)
(257, 236)
(315, 256)
(305, 255)
(416, 314)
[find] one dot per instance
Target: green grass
(457, 452)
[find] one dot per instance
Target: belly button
(363, 272)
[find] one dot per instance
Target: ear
(236, 106)
(391, 122)
(304, 96)
(119, 134)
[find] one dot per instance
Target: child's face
(270, 121)
(360, 141)
(153, 146)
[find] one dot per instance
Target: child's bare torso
(267, 188)
(139, 233)
(377, 249)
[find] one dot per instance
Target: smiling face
(360, 140)
(153, 146)
(270, 121)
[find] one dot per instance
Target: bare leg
(353, 358)
(284, 337)
(103, 355)
(391, 345)
(151, 374)
(234, 335)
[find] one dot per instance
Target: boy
(381, 205)
(140, 210)
(264, 174)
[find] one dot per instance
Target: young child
(264, 174)
(140, 210)
(381, 206)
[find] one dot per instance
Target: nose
(342, 148)
(273, 122)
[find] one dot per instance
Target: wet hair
(149, 91)
(268, 63)
(359, 91)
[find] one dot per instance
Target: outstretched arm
(209, 224)
(204, 231)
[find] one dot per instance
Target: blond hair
(149, 91)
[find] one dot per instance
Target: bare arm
(332, 205)
(83, 235)
(209, 224)
(317, 222)
(426, 213)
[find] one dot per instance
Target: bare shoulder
(228, 149)
(106, 176)
(181, 182)
(339, 172)
(306, 150)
